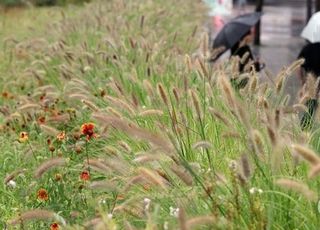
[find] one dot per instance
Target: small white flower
(254, 190)
(86, 68)
(174, 211)
(12, 184)
(102, 201)
(146, 202)
(110, 215)
(166, 225)
(233, 165)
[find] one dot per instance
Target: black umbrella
(234, 30)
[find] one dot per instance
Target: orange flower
(42, 194)
(41, 120)
(120, 197)
(85, 175)
(23, 137)
(5, 94)
(54, 226)
(61, 136)
(87, 130)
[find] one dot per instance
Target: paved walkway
(280, 40)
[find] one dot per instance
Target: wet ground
(280, 40)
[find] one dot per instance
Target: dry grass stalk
(140, 133)
(202, 144)
(175, 92)
(216, 52)
(152, 177)
(244, 58)
(201, 220)
(148, 87)
(63, 118)
(93, 222)
(279, 84)
(253, 83)
(105, 185)
(220, 116)
(36, 214)
(227, 91)
(151, 112)
(205, 45)
(262, 102)
(121, 104)
(294, 66)
(114, 112)
(277, 118)
(298, 187)
(133, 180)
(182, 219)
(307, 154)
(124, 145)
(182, 174)
(162, 94)
(203, 68)
(196, 103)
(50, 131)
(258, 141)
(78, 96)
(300, 107)
(144, 158)
(242, 115)
(188, 63)
(12, 175)
(29, 107)
(49, 164)
(98, 165)
(272, 135)
(314, 171)
(246, 169)
(91, 105)
(231, 134)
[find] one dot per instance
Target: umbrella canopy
(312, 30)
(234, 30)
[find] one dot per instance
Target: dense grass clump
(112, 118)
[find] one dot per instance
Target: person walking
(311, 66)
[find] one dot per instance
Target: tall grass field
(111, 117)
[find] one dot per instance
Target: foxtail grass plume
(12, 175)
(307, 154)
(131, 129)
(37, 214)
(91, 105)
(314, 171)
(120, 104)
(200, 220)
(298, 187)
(163, 94)
(202, 144)
(215, 113)
(196, 103)
(49, 164)
(151, 112)
(48, 130)
(182, 174)
(153, 177)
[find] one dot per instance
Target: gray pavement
(280, 40)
